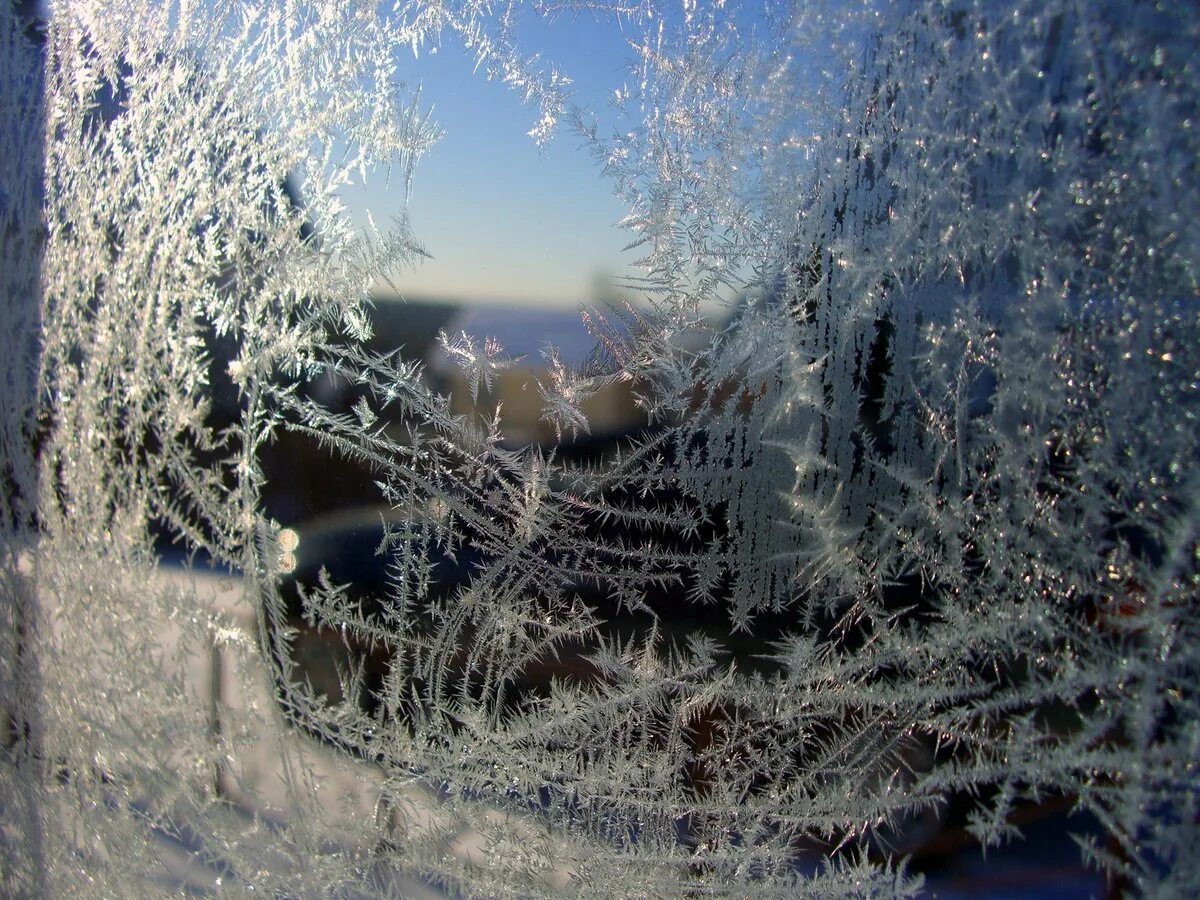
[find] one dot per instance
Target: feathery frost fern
(919, 523)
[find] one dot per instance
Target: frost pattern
(921, 521)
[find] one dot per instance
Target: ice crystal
(479, 366)
(917, 521)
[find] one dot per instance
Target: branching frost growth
(919, 522)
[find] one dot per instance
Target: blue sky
(503, 220)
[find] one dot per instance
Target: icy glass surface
(909, 525)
